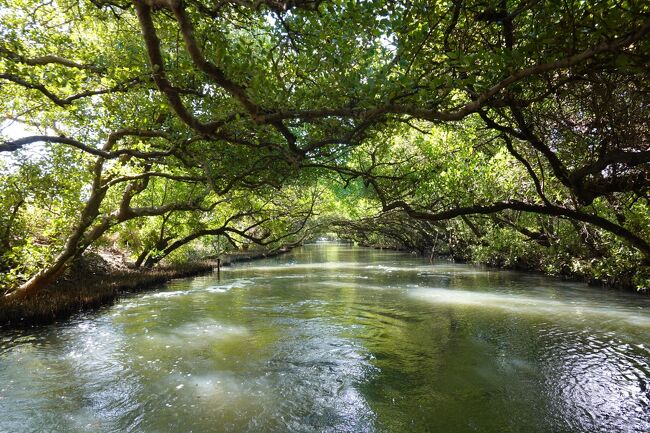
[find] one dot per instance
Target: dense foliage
(508, 132)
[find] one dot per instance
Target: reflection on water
(341, 339)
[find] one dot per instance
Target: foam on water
(166, 294)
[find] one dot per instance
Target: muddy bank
(88, 286)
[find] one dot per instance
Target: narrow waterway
(333, 338)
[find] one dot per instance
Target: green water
(332, 338)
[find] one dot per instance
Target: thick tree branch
(113, 138)
(47, 60)
(152, 44)
(641, 244)
(219, 76)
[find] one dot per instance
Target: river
(335, 338)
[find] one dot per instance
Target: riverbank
(622, 282)
(88, 287)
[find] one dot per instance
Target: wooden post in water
(218, 268)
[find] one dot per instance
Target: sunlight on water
(339, 339)
(356, 266)
(530, 305)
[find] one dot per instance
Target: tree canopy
(505, 131)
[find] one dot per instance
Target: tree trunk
(48, 275)
(143, 255)
(71, 249)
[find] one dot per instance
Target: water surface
(335, 338)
